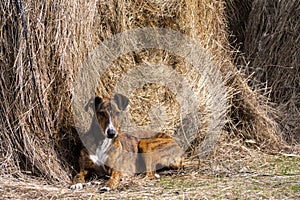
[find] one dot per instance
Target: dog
(118, 153)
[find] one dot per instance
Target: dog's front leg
(114, 161)
(112, 182)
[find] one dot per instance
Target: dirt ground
(242, 173)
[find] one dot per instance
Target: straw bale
(58, 37)
(272, 50)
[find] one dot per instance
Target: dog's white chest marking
(101, 152)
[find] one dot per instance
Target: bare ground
(237, 172)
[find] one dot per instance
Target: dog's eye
(118, 113)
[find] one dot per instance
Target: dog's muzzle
(111, 133)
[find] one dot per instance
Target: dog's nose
(111, 133)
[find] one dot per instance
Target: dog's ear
(122, 101)
(98, 101)
(93, 103)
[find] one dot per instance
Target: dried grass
(272, 50)
(60, 36)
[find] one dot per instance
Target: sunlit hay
(148, 99)
(250, 116)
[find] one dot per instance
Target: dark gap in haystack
(237, 14)
(69, 145)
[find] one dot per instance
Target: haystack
(36, 121)
(272, 49)
(39, 136)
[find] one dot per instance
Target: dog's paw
(151, 176)
(96, 182)
(104, 189)
(77, 186)
(156, 175)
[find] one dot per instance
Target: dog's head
(108, 112)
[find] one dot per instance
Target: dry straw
(272, 49)
(61, 33)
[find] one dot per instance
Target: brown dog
(117, 153)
